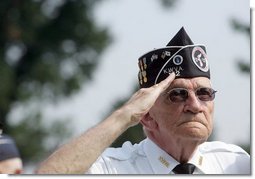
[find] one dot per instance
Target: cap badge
(199, 58)
(177, 60)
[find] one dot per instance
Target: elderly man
(10, 162)
(175, 106)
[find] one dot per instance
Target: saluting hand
(141, 102)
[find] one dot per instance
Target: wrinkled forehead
(191, 83)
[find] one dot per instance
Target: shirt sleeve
(99, 167)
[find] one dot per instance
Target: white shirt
(147, 158)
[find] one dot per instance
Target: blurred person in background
(175, 105)
(10, 161)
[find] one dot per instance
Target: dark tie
(185, 168)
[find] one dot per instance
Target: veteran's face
(191, 119)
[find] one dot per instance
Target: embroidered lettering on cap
(176, 70)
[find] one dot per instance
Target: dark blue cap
(8, 148)
(181, 56)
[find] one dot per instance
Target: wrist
(124, 117)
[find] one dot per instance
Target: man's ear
(148, 122)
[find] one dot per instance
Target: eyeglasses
(177, 95)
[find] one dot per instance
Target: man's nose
(193, 104)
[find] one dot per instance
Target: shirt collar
(162, 163)
(198, 160)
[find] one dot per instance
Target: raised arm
(77, 156)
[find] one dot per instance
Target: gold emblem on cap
(163, 161)
(144, 63)
(142, 73)
(144, 76)
(140, 78)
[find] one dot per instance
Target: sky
(140, 26)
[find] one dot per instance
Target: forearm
(77, 156)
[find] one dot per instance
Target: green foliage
(242, 28)
(242, 64)
(246, 147)
(244, 67)
(35, 139)
(134, 134)
(49, 49)
(58, 49)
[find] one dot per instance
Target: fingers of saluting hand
(149, 95)
(163, 85)
(141, 102)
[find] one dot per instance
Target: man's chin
(193, 125)
(195, 133)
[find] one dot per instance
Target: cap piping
(182, 47)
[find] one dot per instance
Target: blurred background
(67, 64)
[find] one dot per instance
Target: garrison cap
(8, 148)
(181, 56)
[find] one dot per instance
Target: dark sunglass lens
(205, 94)
(178, 95)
